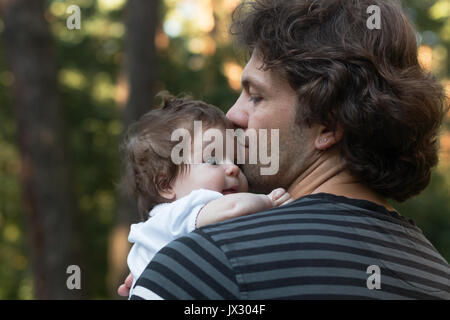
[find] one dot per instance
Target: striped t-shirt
(320, 246)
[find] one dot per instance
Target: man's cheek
(262, 120)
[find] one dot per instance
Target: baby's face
(215, 174)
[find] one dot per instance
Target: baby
(180, 198)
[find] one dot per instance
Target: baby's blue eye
(211, 161)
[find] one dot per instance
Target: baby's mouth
(230, 190)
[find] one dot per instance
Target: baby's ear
(165, 190)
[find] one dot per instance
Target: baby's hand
(280, 197)
(124, 289)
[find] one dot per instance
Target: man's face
(268, 102)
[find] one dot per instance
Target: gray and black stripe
(318, 247)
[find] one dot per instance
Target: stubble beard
(291, 160)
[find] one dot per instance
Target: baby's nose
(232, 170)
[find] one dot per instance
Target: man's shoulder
(200, 265)
(304, 205)
(309, 216)
(295, 250)
(190, 267)
(319, 222)
(300, 210)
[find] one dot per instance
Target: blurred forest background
(67, 95)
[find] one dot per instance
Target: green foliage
(431, 212)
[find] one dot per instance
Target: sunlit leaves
(440, 10)
(72, 78)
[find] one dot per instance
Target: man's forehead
(254, 74)
(254, 82)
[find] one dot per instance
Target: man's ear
(326, 138)
(165, 189)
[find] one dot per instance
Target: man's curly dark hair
(368, 81)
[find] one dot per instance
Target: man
(358, 121)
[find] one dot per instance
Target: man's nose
(232, 170)
(238, 116)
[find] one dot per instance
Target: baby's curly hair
(368, 81)
(147, 147)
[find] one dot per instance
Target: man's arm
(189, 268)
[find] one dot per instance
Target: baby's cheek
(214, 181)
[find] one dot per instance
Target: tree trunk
(140, 57)
(47, 195)
(140, 67)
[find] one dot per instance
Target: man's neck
(328, 174)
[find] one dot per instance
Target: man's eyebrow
(248, 82)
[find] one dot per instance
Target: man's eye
(255, 99)
(211, 161)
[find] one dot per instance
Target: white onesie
(167, 222)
